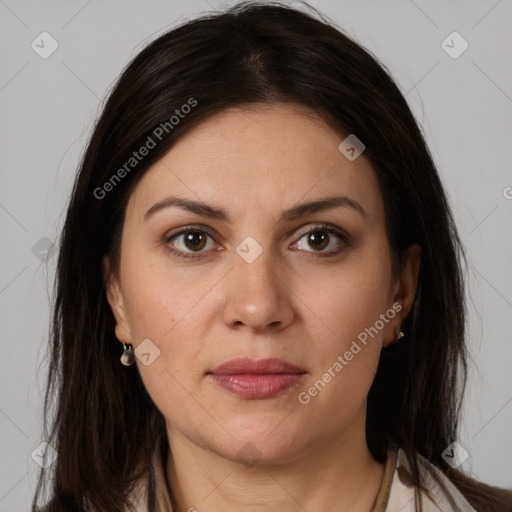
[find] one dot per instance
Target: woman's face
(263, 279)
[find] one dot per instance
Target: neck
(332, 474)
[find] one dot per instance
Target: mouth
(256, 378)
(246, 365)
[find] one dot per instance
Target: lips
(246, 365)
(256, 379)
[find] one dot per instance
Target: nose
(257, 294)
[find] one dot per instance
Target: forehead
(262, 158)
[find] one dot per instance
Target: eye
(192, 240)
(189, 239)
(321, 237)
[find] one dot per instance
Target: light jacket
(396, 493)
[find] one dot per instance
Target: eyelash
(326, 228)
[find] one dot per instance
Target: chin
(262, 443)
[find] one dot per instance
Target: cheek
(352, 297)
(160, 296)
(173, 321)
(169, 305)
(167, 310)
(347, 326)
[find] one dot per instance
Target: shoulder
(440, 493)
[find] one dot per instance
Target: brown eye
(194, 240)
(192, 243)
(188, 241)
(320, 238)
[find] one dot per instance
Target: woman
(258, 224)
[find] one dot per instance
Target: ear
(404, 290)
(116, 301)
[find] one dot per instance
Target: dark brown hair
(98, 415)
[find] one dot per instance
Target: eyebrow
(296, 212)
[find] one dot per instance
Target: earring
(128, 357)
(400, 334)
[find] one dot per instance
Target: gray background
(48, 106)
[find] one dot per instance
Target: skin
(290, 302)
